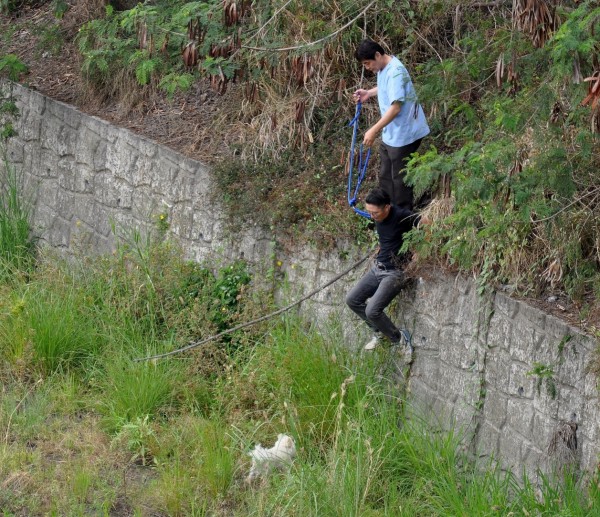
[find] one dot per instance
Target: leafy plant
(544, 373)
(12, 66)
(140, 438)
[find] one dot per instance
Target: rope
(258, 320)
(312, 43)
(363, 162)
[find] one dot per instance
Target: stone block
(144, 204)
(533, 316)
(15, 152)
(44, 217)
(113, 192)
(571, 405)
(59, 233)
(459, 385)
(509, 450)
(506, 307)
(590, 452)
(519, 416)
(182, 189)
(87, 145)
(459, 350)
(141, 172)
(181, 220)
(58, 137)
(487, 441)
(525, 340)
(425, 369)
(544, 425)
(75, 177)
(495, 408)
(533, 460)
(65, 113)
(519, 383)
(47, 194)
(589, 421)
(31, 109)
(65, 204)
(499, 332)
(121, 160)
(497, 369)
(546, 395)
(106, 131)
(48, 165)
(85, 212)
(143, 145)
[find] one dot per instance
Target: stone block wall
(512, 378)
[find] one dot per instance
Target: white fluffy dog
(280, 457)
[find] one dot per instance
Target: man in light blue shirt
(402, 123)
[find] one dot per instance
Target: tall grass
(85, 429)
(16, 244)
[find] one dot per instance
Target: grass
(87, 429)
(15, 215)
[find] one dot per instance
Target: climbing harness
(363, 161)
(258, 320)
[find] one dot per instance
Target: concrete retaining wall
(511, 377)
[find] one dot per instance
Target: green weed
(135, 390)
(16, 240)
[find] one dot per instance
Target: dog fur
(279, 457)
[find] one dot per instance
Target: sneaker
(406, 338)
(373, 344)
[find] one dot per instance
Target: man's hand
(361, 95)
(370, 137)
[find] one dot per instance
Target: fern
(173, 82)
(12, 66)
(145, 69)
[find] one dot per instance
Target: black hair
(378, 197)
(367, 49)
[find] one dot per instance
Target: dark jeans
(392, 173)
(379, 287)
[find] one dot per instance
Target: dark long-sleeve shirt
(391, 236)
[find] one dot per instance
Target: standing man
(386, 277)
(402, 123)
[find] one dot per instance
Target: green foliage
(140, 439)
(59, 8)
(112, 45)
(12, 66)
(16, 240)
(173, 82)
(576, 42)
(544, 373)
(115, 415)
(61, 335)
(51, 40)
(135, 390)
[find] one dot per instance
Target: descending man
(402, 123)
(376, 290)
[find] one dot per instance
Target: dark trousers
(379, 287)
(392, 173)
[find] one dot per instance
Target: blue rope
(363, 162)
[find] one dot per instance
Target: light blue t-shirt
(394, 84)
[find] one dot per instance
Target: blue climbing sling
(363, 161)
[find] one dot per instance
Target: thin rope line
(258, 320)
